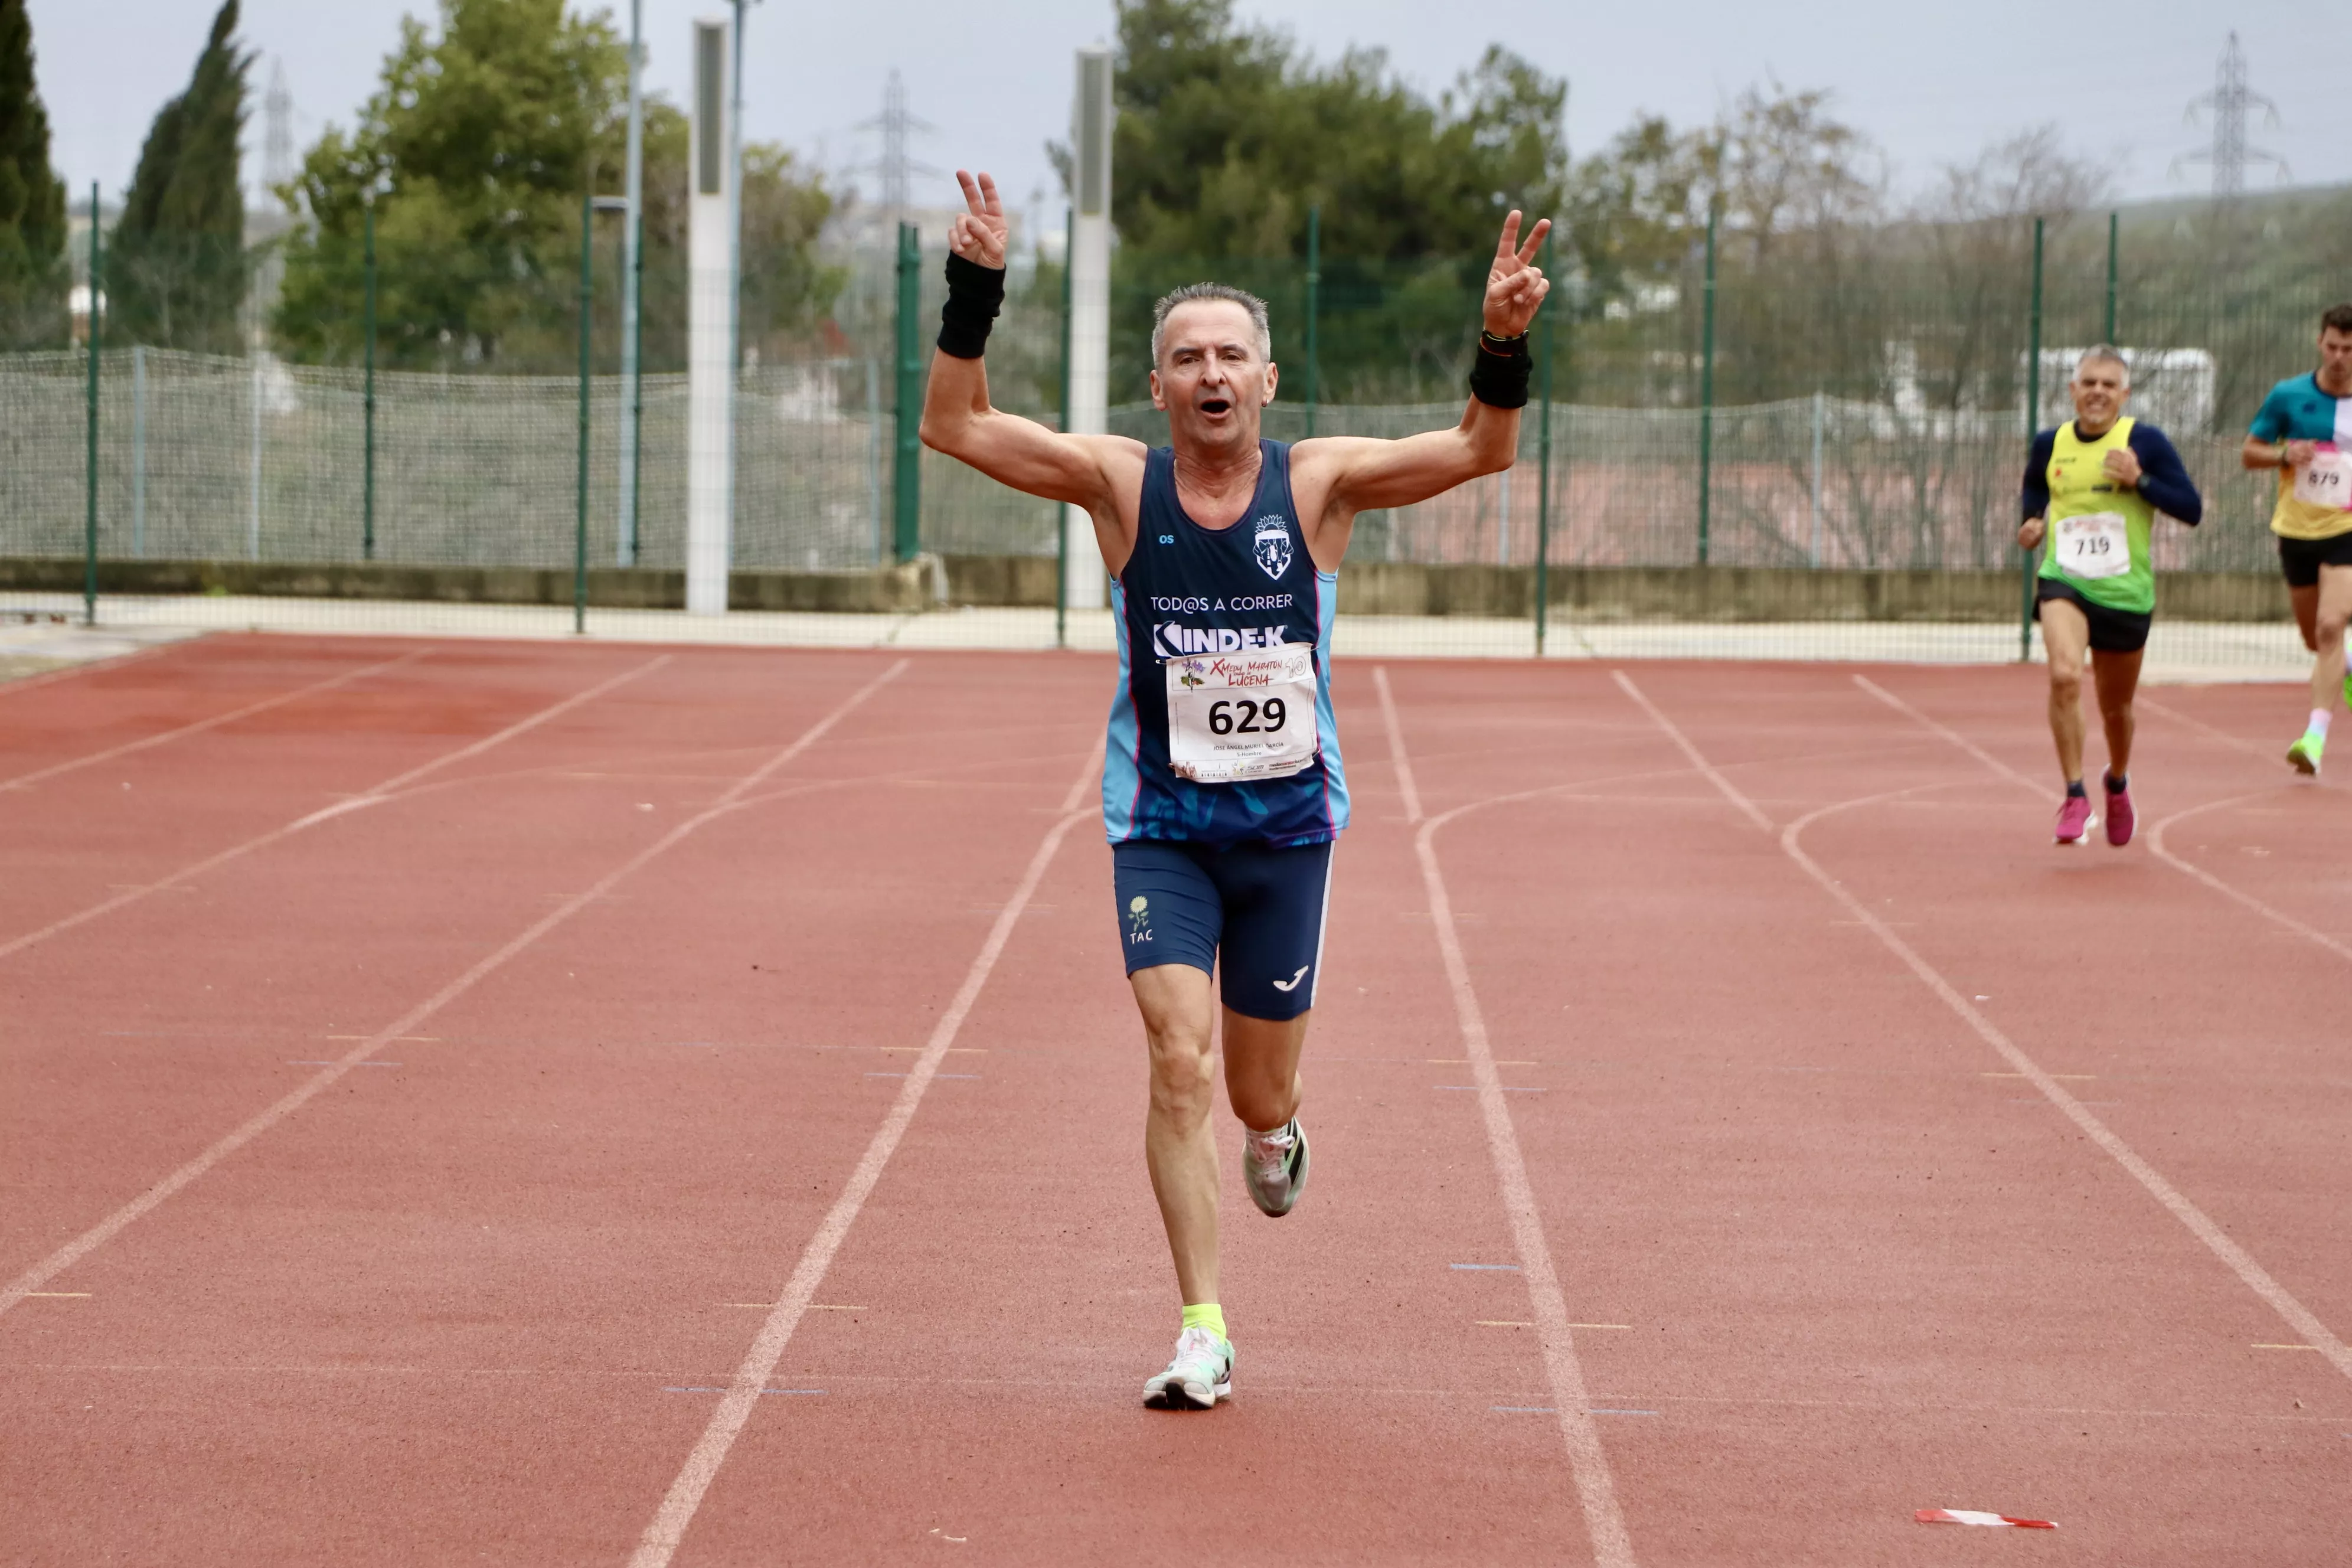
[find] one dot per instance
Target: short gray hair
(1193, 293)
(2103, 353)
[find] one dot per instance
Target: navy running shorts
(1261, 907)
(2301, 559)
(2112, 630)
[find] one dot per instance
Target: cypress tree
(179, 264)
(32, 198)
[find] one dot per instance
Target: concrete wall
(1379, 588)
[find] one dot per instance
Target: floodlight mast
(632, 268)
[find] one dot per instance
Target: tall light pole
(631, 241)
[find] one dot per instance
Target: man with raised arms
(2092, 487)
(1223, 787)
(2304, 431)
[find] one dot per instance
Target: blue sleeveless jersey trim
(1189, 589)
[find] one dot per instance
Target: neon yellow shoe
(2303, 755)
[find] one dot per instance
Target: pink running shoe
(2120, 816)
(2075, 819)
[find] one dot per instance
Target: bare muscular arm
(1091, 472)
(1335, 478)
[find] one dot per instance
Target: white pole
(734, 254)
(1503, 545)
(138, 448)
(632, 390)
(253, 516)
(1086, 585)
(710, 385)
(1813, 552)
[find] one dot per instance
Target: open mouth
(1215, 405)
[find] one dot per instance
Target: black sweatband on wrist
(975, 293)
(1499, 376)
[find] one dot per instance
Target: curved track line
(87, 667)
(214, 723)
(678, 1505)
(2156, 846)
(1588, 1462)
(99, 1234)
(2156, 834)
(2240, 1262)
(2256, 1277)
(2224, 736)
(370, 796)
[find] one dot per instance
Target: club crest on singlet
(1272, 545)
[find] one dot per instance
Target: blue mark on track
(1498, 1267)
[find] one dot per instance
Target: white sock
(2320, 721)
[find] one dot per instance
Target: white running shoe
(1202, 1373)
(1274, 1167)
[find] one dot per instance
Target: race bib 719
(2092, 546)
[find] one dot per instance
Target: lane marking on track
(677, 1508)
(99, 1234)
(2238, 1261)
(23, 780)
(61, 1295)
(87, 667)
(370, 796)
(1588, 1462)
(2156, 834)
(1713, 776)
(2269, 754)
(2263, 1347)
(1499, 1267)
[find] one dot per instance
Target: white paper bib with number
(2094, 544)
(1237, 716)
(2326, 479)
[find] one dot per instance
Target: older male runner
(2304, 431)
(2093, 487)
(1223, 788)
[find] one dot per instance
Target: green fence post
(1062, 513)
(90, 515)
(907, 477)
(2108, 336)
(2032, 420)
(1313, 308)
(1706, 384)
(580, 513)
(637, 398)
(1543, 474)
(367, 462)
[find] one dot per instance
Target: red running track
(420, 1086)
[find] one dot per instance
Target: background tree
(32, 199)
(176, 275)
(475, 149)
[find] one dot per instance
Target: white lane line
(1748, 807)
(2238, 1261)
(2156, 845)
(22, 780)
(1402, 764)
(99, 1234)
(701, 1468)
(370, 796)
(87, 667)
(2276, 758)
(1588, 1462)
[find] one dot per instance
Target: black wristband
(1499, 377)
(975, 293)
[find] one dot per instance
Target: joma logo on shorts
(1171, 640)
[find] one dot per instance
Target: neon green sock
(1206, 1315)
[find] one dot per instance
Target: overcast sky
(1930, 84)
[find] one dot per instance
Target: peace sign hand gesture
(1515, 285)
(979, 235)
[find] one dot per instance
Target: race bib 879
(2326, 479)
(1247, 715)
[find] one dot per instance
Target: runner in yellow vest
(2304, 431)
(2093, 488)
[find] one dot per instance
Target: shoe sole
(2303, 764)
(2070, 843)
(1180, 1396)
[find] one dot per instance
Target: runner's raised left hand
(1515, 285)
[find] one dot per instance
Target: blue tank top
(1190, 589)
